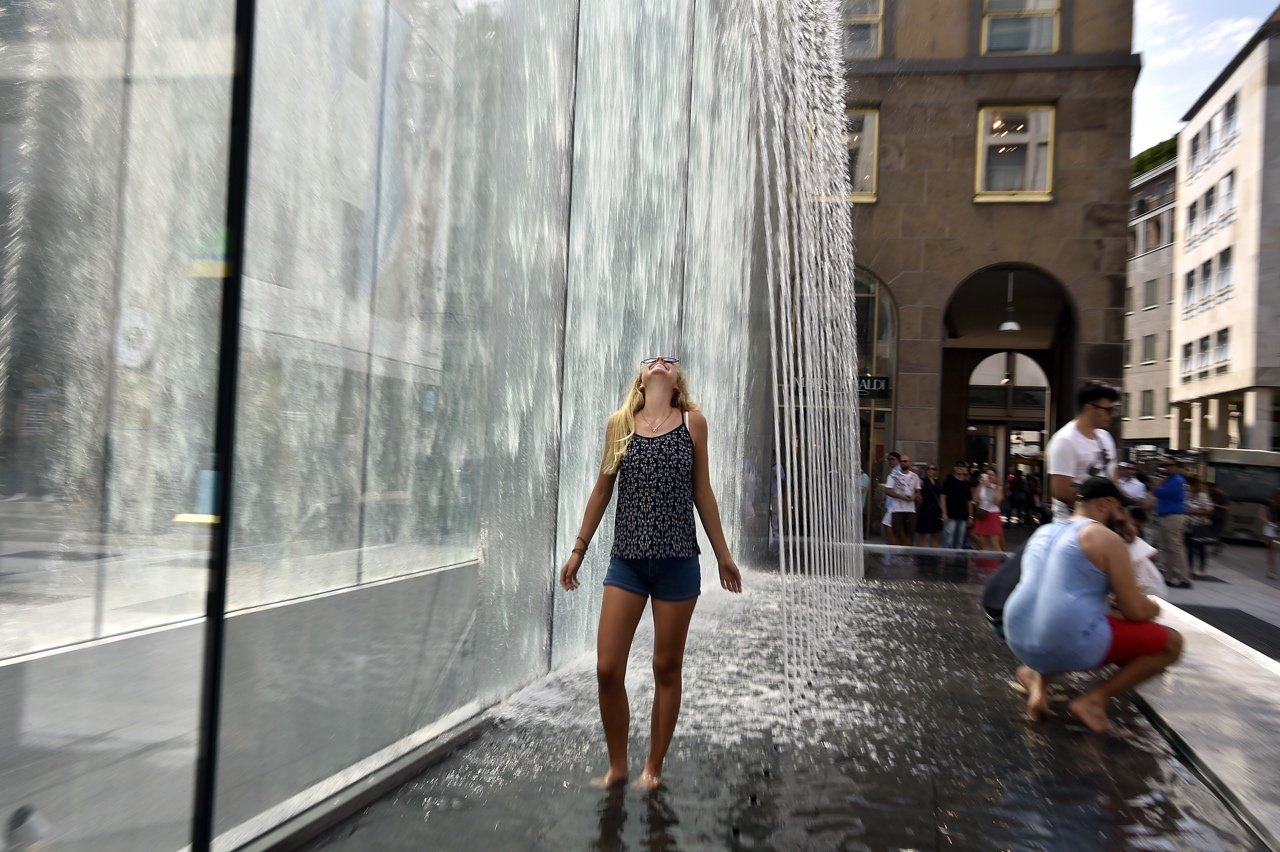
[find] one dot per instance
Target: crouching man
(1060, 619)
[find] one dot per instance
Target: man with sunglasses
(1082, 448)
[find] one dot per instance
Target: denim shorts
(672, 579)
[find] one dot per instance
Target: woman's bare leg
(619, 614)
(670, 629)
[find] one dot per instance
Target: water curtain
(803, 155)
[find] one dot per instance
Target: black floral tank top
(654, 516)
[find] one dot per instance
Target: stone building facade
(1148, 343)
(1225, 373)
(989, 153)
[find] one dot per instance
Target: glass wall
(397, 433)
(114, 117)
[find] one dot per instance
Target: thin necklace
(649, 422)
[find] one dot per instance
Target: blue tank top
(1056, 619)
(654, 515)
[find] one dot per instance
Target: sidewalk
(1238, 582)
(912, 738)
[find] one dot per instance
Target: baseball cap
(1097, 487)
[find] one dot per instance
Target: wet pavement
(909, 737)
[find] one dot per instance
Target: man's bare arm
(1108, 552)
(1062, 488)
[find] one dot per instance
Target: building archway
(1046, 334)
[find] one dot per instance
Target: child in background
(1149, 578)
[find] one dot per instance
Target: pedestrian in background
(1270, 517)
(1083, 447)
(929, 513)
(1199, 534)
(1171, 516)
(988, 529)
(957, 499)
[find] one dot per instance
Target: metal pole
(240, 131)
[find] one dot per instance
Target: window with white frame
(1213, 133)
(1019, 26)
(1150, 294)
(1227, 190)
(1224, 271)
(1188, 356)
(1128, 352)
(1222, 351)
(862, 128)
(1015, 153)
(1189, 290)
(1206, 280)
(1193, 223)
(1195, 152)
(863, 22)
(1207, 205)
(1149, 349)
(1229, 117)
(1128, 300)
(1148, 404)
(1202, 353)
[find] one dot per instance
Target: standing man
(895, 465)
(1058, 618)
(957, 506)
(1131, 486)
(903, 489)
(1171, 507)
(1082, 448)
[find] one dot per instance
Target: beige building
(1226, 367)
(990, 157)
(1148, 343)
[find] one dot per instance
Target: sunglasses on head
(666, 359)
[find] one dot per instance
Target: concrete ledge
(1220, 707)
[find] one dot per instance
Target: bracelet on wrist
(581, 551)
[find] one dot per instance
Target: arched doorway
(981, 321)
(1008, 413)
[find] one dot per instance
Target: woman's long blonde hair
(622, 423)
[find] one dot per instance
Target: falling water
(811, 278)
(709, 219)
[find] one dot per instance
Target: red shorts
(1133, 639)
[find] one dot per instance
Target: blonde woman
(655, 449)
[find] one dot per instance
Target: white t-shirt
(1133, 489)
(1072, 454)
(1144, 570)
(904, 483)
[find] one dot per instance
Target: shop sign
(873, 387)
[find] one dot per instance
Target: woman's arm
(597, 504)
(704, 499)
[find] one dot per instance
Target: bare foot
(1037, 697)
(647, 782)
(612, 778)
(1091, 712)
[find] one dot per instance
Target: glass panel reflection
(113, 161)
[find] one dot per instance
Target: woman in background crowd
(1199, 526)
(988, 530)
(929, 517)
